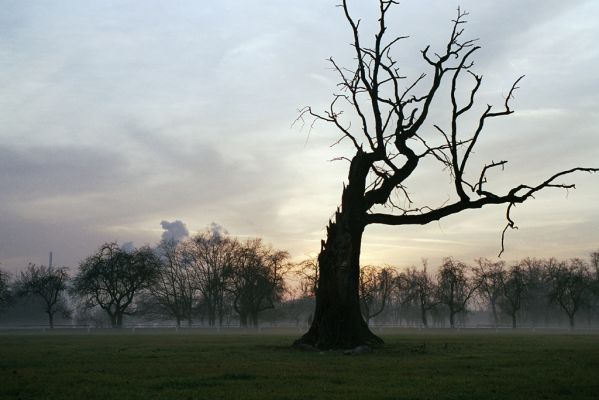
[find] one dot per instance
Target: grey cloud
(175, 230)
(29, 172)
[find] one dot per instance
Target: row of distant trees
(541, 292)
(205, 277)
(538, 292)
(214, 279)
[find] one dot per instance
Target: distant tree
(112, 278)
(514, 289)
(570, 285)
(489, 277)
(535, 306)
(454, 288)
(307, 272)
(595, 279)
(48, 284)
(376, 284)
(174, 289)
(595, 271)
(257, 280)
(5, 293)
(211, 255)
(422, 290)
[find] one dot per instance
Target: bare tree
(174, 289)
(421, 289)
(211, 255)
(376, 284)
(257, 280)
(48, 284)
(570, 286)
(112, 277)
(489, 277)
(535, 305)
(307, 272)
(513, 287)
(454, 289)
(5, 293)
(390, 141)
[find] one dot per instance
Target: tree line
(213, 279)
(204, 278)
(537, 292)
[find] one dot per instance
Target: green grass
(194, 366)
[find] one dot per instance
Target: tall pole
(50, 261)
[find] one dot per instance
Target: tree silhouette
(47, 283)
(390, 141)
(112, 278)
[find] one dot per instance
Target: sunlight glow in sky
(117, 115)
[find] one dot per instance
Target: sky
(119, 118)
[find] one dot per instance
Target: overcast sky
(118, 115)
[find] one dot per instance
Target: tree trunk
(338, 321)
(495, 317)
(423, 316)
(113, 322)
(571, 318)
(243, 320)
(451, 318)
(514, 320)
(51, 319)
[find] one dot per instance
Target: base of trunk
(322, 337)
(338, 321)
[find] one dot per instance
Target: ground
(412, 365)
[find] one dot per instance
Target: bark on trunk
(495, 317)
(571, 318)
(423, 316)
(451, 318)
(338, 321)
(243, 320)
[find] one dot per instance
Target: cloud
(174, 231)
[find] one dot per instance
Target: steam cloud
(175, 230)
(217, 230)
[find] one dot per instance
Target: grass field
(442, 365)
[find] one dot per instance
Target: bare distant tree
(489, 277)
(421, 289)
(211, 256)
(513, 287)
(595, 270)
(454, 288)
(535, 305)
(307, 272)
(595, 276)
(570, 286)
(376, 284)
(5, 294)
(257, 280)
(174, 289)
(48, 284)
(112, 277)
(392, 138)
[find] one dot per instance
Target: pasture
(187, 365)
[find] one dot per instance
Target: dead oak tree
(390, 144)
